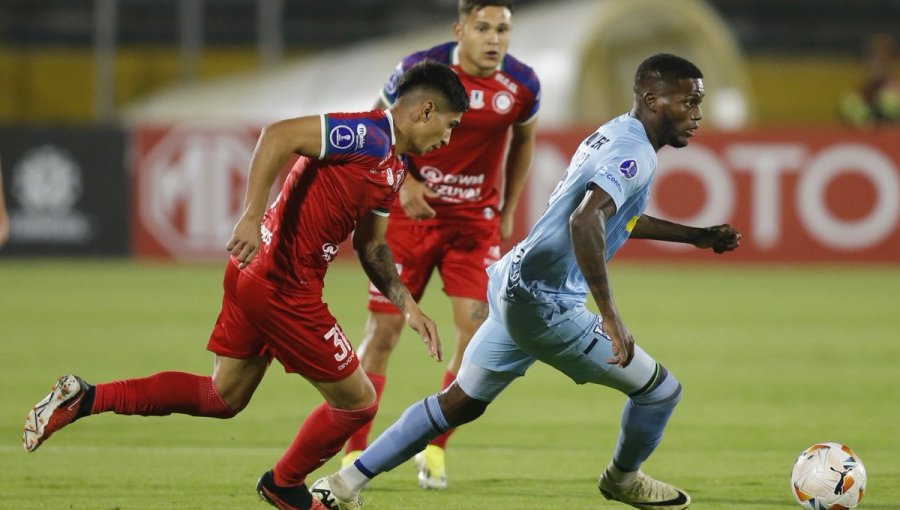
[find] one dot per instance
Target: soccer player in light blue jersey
(537, 295)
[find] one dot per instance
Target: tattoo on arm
(379, 265)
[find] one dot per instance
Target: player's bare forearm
(648, 227)
(720, 238)
(378, 263)
(587, 228)
(588, 232)
(518, 163)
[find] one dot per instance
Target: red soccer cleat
(54, 412)
(286, 498)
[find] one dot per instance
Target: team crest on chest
(476, 99)
(503, 102)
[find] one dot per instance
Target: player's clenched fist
(720, 238)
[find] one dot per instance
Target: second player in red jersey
(350, 169)
(460, 200)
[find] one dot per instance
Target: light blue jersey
(618, 158)
(536, 296)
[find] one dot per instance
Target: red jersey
(466, 173)
(356, 173)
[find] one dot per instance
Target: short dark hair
(467, 6)
(665, 67)
(429, 74)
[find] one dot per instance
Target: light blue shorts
(518, 332)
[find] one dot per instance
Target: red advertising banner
(796, 195)
(188, 185)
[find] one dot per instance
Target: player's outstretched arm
(587, 226)
(720, 238)
(302, 135)
(376, 260)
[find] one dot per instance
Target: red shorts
(461, 251)
(295, 328)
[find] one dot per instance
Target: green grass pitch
(772, 359)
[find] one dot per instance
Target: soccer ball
(828, 476)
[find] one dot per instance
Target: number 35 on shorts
(336, 335)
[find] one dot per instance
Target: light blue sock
(644, 418)
(419, 424)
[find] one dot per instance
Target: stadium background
(125, 131)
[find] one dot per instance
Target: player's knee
(234, 402)
(357, 415)
(458, 407)
(664, 390)
(355, 392)
(367, 396)
(214, 404)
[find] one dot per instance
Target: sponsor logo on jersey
(503, 102)
(431, 174)
(628, 168)
(341, 137)
(360, 135)
(265, 235)
(329, 251)
(453, 187)
(476, 99)
(612, 178)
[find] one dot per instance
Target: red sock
(320, 437)
(160, 395)
(441, 440)
(360, 439)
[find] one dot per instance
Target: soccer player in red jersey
(450, 215)
(351, 168)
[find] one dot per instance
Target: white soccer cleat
(431, 467)
(58, 409)
(322, 492)
(645, 493)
